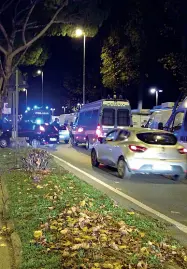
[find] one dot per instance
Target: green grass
(32, 204)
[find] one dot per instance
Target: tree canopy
(30, 20)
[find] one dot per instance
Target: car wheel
(35, 143)
(94, 160)
(66, 141)
(3, 143)
(123, 171)
(87, 143)
(178, 177)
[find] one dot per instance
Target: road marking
(179, 225)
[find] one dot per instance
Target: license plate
(165, 167)
(53, 139)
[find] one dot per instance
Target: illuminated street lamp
(79, 33)
(40, 72)
(155, 91)
(25, 90)
(52, 110)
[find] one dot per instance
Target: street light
(25, 90)
(40, 72)
(79, 33)
(64, 108)
(155, 91)
(52, 109)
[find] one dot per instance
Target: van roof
(99, 103)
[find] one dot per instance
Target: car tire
(179, 177)
(3, 143)
(66, 141)
(94, 160)
(122, 169)
(87, 143)
(35, 143)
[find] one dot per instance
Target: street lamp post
(52, 110)
(26, 95)
(40, 72)
(79, 33)
(156, 92)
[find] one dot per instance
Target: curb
(14, 237)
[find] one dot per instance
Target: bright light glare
(153, 90)
(42, 129)
(38, 121)
(39, 72)
(28, 108)
(47, 107)
(24, 89)
(26, 111)
(35, 107)
(79, 32)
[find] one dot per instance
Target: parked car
(5, 138)
(64, 134)
(139, 150)
(38, 134)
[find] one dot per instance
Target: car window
(123, 118)
(111, 136)
(123, 134)
(62, 128)
(108, 117)
(178, 121)
(157, 138)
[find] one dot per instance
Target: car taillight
(80, 130)
(182, 151)
(135, 148)
(98, 130)
(42, 129)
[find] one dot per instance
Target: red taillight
(98, 130)
(80, 130)
(135, 148)
(182, 151)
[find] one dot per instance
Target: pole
(17, 104)
(156, 93)
(26, 97)
(42, 88)
(84, 67)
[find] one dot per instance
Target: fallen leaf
(82, 203)
(38, 234)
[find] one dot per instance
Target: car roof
(142, 130)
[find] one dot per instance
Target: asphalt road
(162, 194)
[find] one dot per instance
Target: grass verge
(65, 223)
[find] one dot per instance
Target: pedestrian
(56, 123)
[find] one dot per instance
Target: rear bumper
(64, 137)
(158, 167)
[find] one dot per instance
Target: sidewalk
(5, 249)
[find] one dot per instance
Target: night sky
(67, 53)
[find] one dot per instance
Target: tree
(118, 66)
(29, 21)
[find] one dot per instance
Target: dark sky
(67, 53)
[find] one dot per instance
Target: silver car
(139, 150)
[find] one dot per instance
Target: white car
(139, 150)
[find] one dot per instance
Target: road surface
(161, 194)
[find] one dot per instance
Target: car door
(105, 148)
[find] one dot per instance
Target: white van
(160, 115)
(98, 118)
(67, 118)
(140, 117)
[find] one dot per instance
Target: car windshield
(157, 138)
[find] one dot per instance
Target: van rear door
(108, 120)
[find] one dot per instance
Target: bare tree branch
(6, 5)
(4, 33)
(1, 68)
(26, 21)
(19, 60)
(41, 33)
